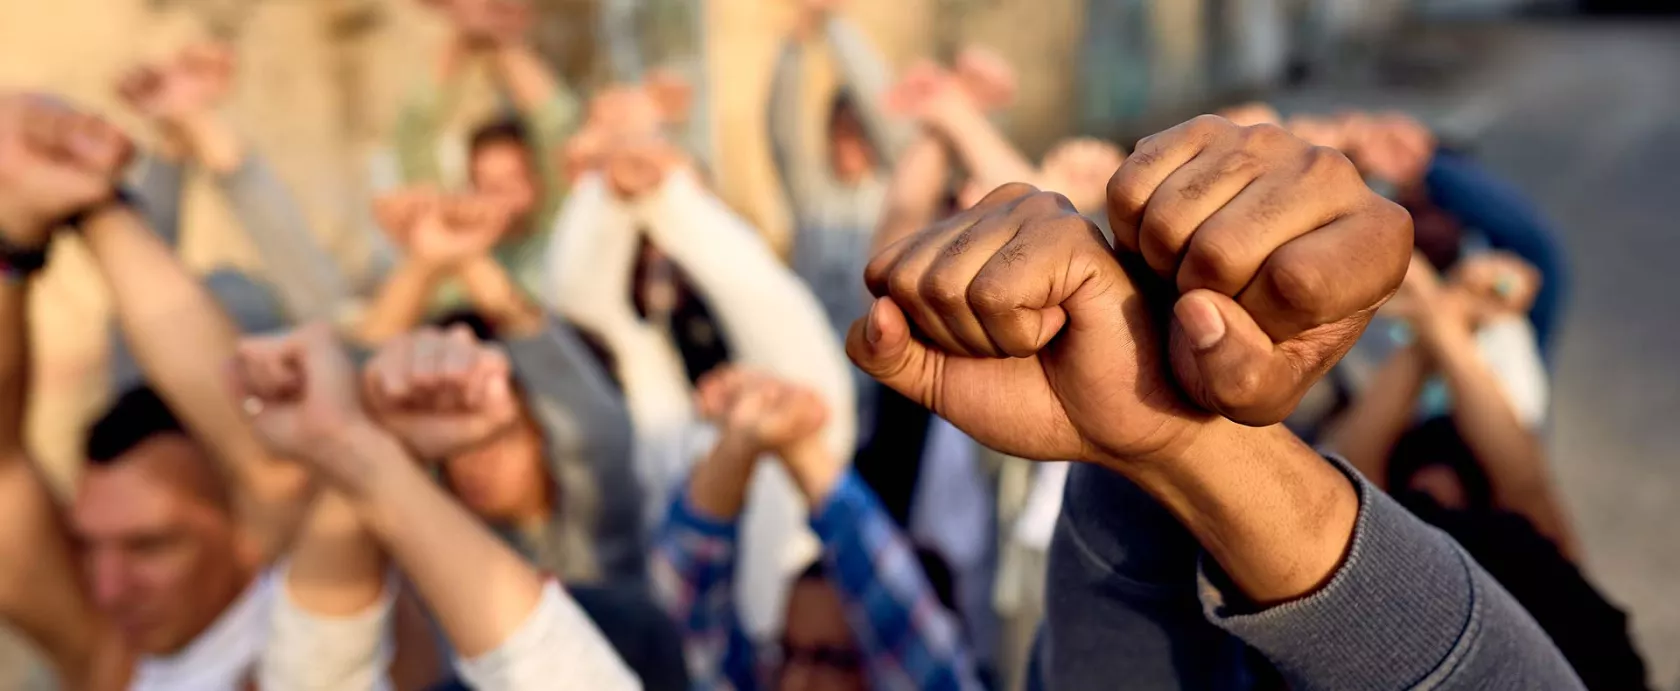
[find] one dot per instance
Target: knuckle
(1164, 230)
(1324, 164)
(943, 292)
(1267, 136)
(1216, 261)
(904, 286)
(1041, 205)
(1239, 391)
(1299, 286)
(1206, 127)
(988, 295)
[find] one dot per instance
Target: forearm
(991, 159)
(591, 259)
(1265, 506)
(916, 191)
(525, 77)
(495, 295)
(312, 284)
(1368, 431)
(1508, 452)
(717, 487)
(801, 169)
(401, 303)
(212, 142)
(480, 590)
(336, 568)
(179, 336)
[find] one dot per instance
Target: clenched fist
(299, 390)
(759, 410)
(1254, 261)
(440, 392)
(54, 161)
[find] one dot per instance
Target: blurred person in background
(646, 189)
(156, 577)
(511, 628)
(864, 616)
(1480, 473)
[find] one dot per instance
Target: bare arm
(1367, 433)
(991, 159)
(180, 336)
(401, 302)
(499, 299)
(527, 80)
(916, 192)
(40, 578)
(1509, 452)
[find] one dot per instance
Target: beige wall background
(320, 81)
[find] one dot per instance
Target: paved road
(1586, 118)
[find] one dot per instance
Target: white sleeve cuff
(556, 649)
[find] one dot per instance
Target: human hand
(811, 15)
(671, 94)
(299, 390)
(440, 392)
(486, 22)
(1499, 281)
(1279, 251)
(637, 166)
(54, 161)
(398, 211)
(987, 77)
(760, 411)
(929, 93)
(1392, 147)
(1079, 168)
(625, 110)
(196, 80)
(456, 228)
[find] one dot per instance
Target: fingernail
(871, 328)
(1201, 321)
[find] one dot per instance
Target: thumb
(1227, 364)
(880, 344)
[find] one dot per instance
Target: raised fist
(1501, 282)
(398, 212)
(988, 78)
(928, 92)
(1390, 147)
(638, 166)
(299, 390)
(1031, 338)
(762, 411)
(196, 80)
(54, 161)
(445, 231)
(440, 392)
(1079, 169)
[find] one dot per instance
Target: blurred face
(159, 551)
(817, 647)
(504, 481)
(848, 149)
(503, 171)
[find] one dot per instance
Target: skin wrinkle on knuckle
(1300, 286)
(1214, 260)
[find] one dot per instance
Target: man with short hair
(156, 579)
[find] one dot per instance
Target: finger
(491, 372)
(1351, 265)
(881, 346)
(1017, 296)
(426, 358)
(1153, 160)
(1226, 364)
(945, 287)
(1189, 196)
(1228, 248)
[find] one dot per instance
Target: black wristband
(18, 263)
(120, 196)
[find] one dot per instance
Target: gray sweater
(1133, 603)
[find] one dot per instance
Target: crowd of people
(1254, 404)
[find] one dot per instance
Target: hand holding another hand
(299, 390)
(442, 231)
(440, 392)
(195, 81)
(54, 161)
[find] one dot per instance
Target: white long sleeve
(773, 320)
(558, 648)
(311, 652)
(590, 261)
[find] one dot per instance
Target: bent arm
(180, 336)
(916, 191)
(772, 319)
(866, 77)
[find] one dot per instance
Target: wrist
(812, 468)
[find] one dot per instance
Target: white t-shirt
(222, 658)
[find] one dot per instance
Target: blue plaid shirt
(907, 638)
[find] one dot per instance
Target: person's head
(849, 151)
(161, 548)
(1432, 458)
(504, 480)
(818, 650)
(501, 167)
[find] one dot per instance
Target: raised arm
(773, 321)
(439, 235)
(551, 111)
(422, 116)
(805, 174)
(513, 630)
(696, 548)
(939, 99)
(866, 78)
(1331, 581)
(916, 192)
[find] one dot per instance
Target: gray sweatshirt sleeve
(157, 185)
(804, 173)
(310, 283)
(866, 77)
(1407, 609)
(588, 426)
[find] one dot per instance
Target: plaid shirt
(907, 638)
